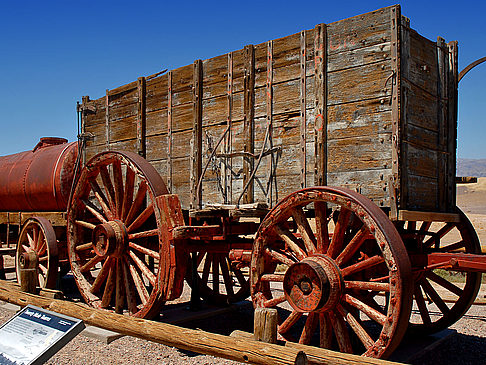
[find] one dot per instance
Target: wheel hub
(110, 239)
(313, 284)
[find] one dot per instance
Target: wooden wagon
(314, 171)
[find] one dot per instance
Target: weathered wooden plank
(398, 180)
(442, 118)
(422, 161)
(157, 147)
(303, 110)
(452, 125)
(107, 120)
(141, 117)
(196, 140)
(321, 104)
(169, 132)
(249, 114)
(156, 122)
(123, 129)
(424, 191)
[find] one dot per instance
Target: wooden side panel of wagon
(340, 104)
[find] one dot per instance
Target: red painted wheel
(322, 256)
(441, 297)
(220, 280)
(118, 257)
(38, 236)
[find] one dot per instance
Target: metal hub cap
(314, 284)
(110, 239)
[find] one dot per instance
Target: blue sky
(54, 52)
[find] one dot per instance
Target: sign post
(34, 335)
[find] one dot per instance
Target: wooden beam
(141, 117)
(452, 124)
(228, 147)
(269, 119)
(107, 119)
(317, 355)
(203, 342)
(196, 141)
(169, 131)
(320, 62)
(409, 215)
(442, 119)
(248, 121)
(303, 110)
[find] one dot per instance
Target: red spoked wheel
(38, 236)
(322, 256)
(441, 297)
(220, 280)
(118, 256)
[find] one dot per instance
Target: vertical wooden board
(362, 118)
(322, 85)
(248, 120)
(156, 93)
(196, 139)
(371, 183)
(360, 31)
(157, 147)
(141, 117)
(425, 192)
(156, 122)
(442, 117)
(452, 125)
(360, 153)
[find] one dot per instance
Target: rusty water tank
(39, 180)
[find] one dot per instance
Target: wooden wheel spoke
(274, 301)
(215, 272)
(108, 185)
(143, 268)
(144, 234)
(423, 230)
(367, 285)
(118, 180)
(325, 331)
(42, 248)
(366, 309)
(452, 247)
(100, 279)
(444, 283)
(309, 328)
(341, 332)
(354, 324)
(362, 265)
(91, 263)
(128, 194)
(304, 229)
(85, 224)
(109, 288)
(129, 289)
(440, 234)
(43, 258)
(353, 246)
(241, 278)
(141, 219)
(228, 282)
(291, 242)
(419, 299)
(137, 202)
(273, 277)
(43, 269)
(31, 242)
(139, 285)
(101, 198)
(279, 257)
(337, 240)
(144, 250)
(26, 248)
(120, 292)
(430, 291)
(93, 210)
(322, 231)
(84, 247)
(289, 322)
(206, 269)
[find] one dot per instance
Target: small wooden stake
(265, 325)
(28, 272)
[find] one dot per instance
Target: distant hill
(471, 167)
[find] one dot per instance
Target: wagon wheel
(432, 287)
(117, 258)
(220, 280)
(38, 236)
(322, 256)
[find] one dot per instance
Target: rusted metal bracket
(450, 261)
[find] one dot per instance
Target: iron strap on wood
(141, 117)
(394, 101)
(303, 114)
(320, 62)
(228, 148)
(248, 122)
(196, 141)
(269, 120)
(107, 119)
(169, 131)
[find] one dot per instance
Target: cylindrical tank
(39, 180)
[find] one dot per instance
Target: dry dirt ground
(467, 346)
